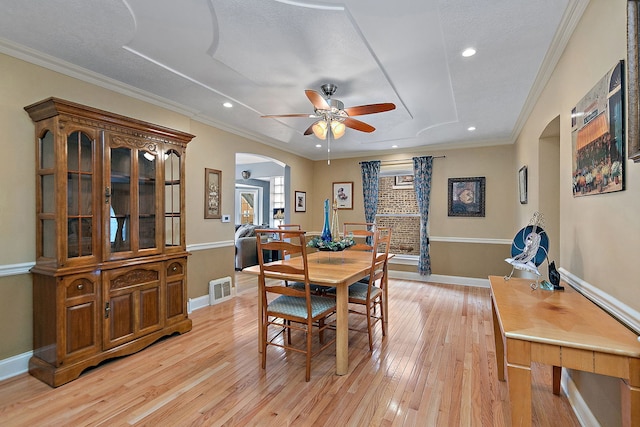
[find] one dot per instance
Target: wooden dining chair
(372, 294)
(285, 236)
(288, 308)
(361, 232)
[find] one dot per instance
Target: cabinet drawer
(175, 268)
(80, 287)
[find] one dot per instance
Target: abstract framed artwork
(212, 193)
(301, 201)
(633, 83)
(598, 137)
(467, 196)
(343, 194)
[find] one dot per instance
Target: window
(398, 209)
(277, 200)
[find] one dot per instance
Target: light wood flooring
(436, 367)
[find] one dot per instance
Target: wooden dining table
(338, 269)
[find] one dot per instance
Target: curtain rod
(401, 161)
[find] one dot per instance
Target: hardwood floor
(436, 367)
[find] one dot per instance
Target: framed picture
(466, 196)
(343, 194)
(403, 182)
(212, 193)
(522, 185)
(633, 85)
(301, 201)
(598, 137)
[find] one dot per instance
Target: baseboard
(437, 278)
(579, 406)
(197, 303)
(15, 365)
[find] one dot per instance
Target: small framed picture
(212, 196)
(301, 201)
(343, 194)
(403, 182)
(522, 185)
(466, 196)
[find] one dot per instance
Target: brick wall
(405, 239)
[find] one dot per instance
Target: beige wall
(599, 235)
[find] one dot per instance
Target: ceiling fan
(333, 116)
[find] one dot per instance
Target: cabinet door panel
(176, 295)
(81, 322)
(81, 316)
(121, 320)
(134, 296)
(149, 308)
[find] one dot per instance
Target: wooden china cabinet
(111, 261)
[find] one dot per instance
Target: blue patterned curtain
(370, 172)
(422, 183)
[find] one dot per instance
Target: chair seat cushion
(297, 306)
(359, 291)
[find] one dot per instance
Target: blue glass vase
(326, 230)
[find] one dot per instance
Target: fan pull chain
(329, 143)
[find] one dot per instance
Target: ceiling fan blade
(358, 125)
(270, 116)
(318, 101)
(309, 130)
(361, 110)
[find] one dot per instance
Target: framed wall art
(633, 84)
(598, 137)
(301, 201)
(343, 194)
(522, 185)
(212, 193)
(466, 196)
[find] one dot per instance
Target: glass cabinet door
(172, 199)
(147, 199)
(119, 195)
(80, 181)
(133, 197)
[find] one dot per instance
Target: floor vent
(221, 290)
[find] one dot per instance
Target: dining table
(338, 269)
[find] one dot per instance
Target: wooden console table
(561, 329)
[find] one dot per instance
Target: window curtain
(422, 167)
(370, 173)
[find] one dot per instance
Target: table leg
(497, 335)
(557, 376)
(520, 395)
(630, 395)
(385, 296)
(342, 330)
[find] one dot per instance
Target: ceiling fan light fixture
(337, 128)
(319, 129)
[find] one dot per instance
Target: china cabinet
(111, 262)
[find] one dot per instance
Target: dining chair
(288, 308)
(361, 232)
(372, 294)
(316, 289)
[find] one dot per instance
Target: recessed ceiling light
(318, 145)
(394, 146)
(227, 104)
(468, 52)
(471, 128)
